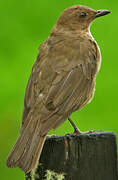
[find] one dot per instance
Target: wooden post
(78, 157)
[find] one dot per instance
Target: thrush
(62, 81)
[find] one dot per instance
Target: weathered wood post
(78, 157)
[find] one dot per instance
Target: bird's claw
(80, 132)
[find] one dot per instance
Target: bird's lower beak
(102, 13)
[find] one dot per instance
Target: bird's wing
(60, 85)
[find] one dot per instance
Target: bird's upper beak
(102, 13)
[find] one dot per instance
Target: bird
(62, 81)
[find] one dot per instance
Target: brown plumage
(62, 81)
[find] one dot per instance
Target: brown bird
(62, 81)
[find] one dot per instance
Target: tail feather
(26, 152)
(29, 159)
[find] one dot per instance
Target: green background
(24, 25)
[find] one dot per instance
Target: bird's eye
(82, 14)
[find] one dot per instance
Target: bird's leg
(76, 130)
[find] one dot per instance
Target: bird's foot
(87, 132)
(78, 132)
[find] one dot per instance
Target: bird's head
(79, 17)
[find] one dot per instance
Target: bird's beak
(102, 13)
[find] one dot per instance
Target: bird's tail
(26, 152)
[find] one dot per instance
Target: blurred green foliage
(24, 25)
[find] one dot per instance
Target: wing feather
(66, 84)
